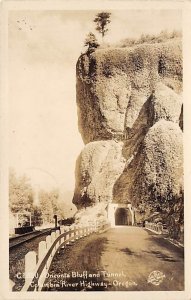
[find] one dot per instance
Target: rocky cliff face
(98, 167)
(114, 84)
(130, 113)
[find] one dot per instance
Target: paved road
(133, 253)
(120, 259)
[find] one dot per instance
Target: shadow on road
(162, 256)
(82, 262)
(163, 243)
(128, 251)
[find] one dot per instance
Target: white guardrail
(157, 228)
(37, 266)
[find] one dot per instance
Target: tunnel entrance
(121, 216)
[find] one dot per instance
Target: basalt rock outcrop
(130, 117)
(98, 167)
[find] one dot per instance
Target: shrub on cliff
(91, 42)
(163, 36)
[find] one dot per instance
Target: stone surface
(113, 85)
(130, 118)
(166, 104)
(97, 168)
(156, 169)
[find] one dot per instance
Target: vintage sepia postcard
(95, 150)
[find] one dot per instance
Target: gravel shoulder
(17, 260)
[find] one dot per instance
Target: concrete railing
(157, 228)
(37, 266)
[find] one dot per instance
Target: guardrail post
(48, 244)
(30, 266)
(63, 238)
(68, 236)
(77, 233)
(62, 230)
(53, 236)
(84, 231)
(57, 235)
(41, 253)
(73, 233)
(48, 241)
(80, 231)
(41, 250)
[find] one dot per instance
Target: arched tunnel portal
(120, 214)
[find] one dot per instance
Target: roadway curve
(132, 253)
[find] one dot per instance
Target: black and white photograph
(95, 116)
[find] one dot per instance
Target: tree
(45, 206)
(91, 42)
(102, 20)
(50, 205)
(37, 216)
(20, 193)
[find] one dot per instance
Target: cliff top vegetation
(163, 36)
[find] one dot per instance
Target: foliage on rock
(163, 36)
(158, 184)
(114, 84)
(91, 42)
(160, 176)
(132, 97)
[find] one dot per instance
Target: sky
(44, 46)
